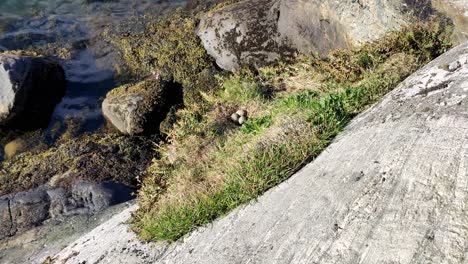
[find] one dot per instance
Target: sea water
(30, 24)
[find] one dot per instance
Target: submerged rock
(30, 87)
(140, 108)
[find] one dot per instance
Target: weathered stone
(30, 87)
(96, 197)
(257, 32)
(59, 200)
(6, 223)
(140, 108)
(29, 209)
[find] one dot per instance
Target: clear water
(78, 23)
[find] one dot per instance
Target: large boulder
(257, 32)
(140, 108)
(30, 87)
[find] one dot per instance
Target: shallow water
(77, 23)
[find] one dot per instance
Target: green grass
(209, 166)
(266, 167)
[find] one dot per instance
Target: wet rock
(14, 147)
(96, 197)
(25, 210)
(5, 218)
(59, 200)
(97, 157)
(29, 209)
(30, 87)
(140, 108)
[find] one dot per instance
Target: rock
(94, 157)
(59, 201)
(140, 108)
(457, 11)
(29, 209)
(96, 197)
(258, 32)
(454, 66)
(30, 87)
(25, 210)
(6, 223)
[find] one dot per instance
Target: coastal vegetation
(209, 165)
(203, 165)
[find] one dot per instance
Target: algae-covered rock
(95, 158)
(140, 108)
(30, 87)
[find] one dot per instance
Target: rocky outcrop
(140, 108)
(30, 87)
(25, 210)
(257, 32)
(391, 189)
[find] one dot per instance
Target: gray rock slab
(393, 188)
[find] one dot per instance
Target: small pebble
(235, 117)
(242, 113)
(242, 120)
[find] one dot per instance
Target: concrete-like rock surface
(393, 188)
(30, 87)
